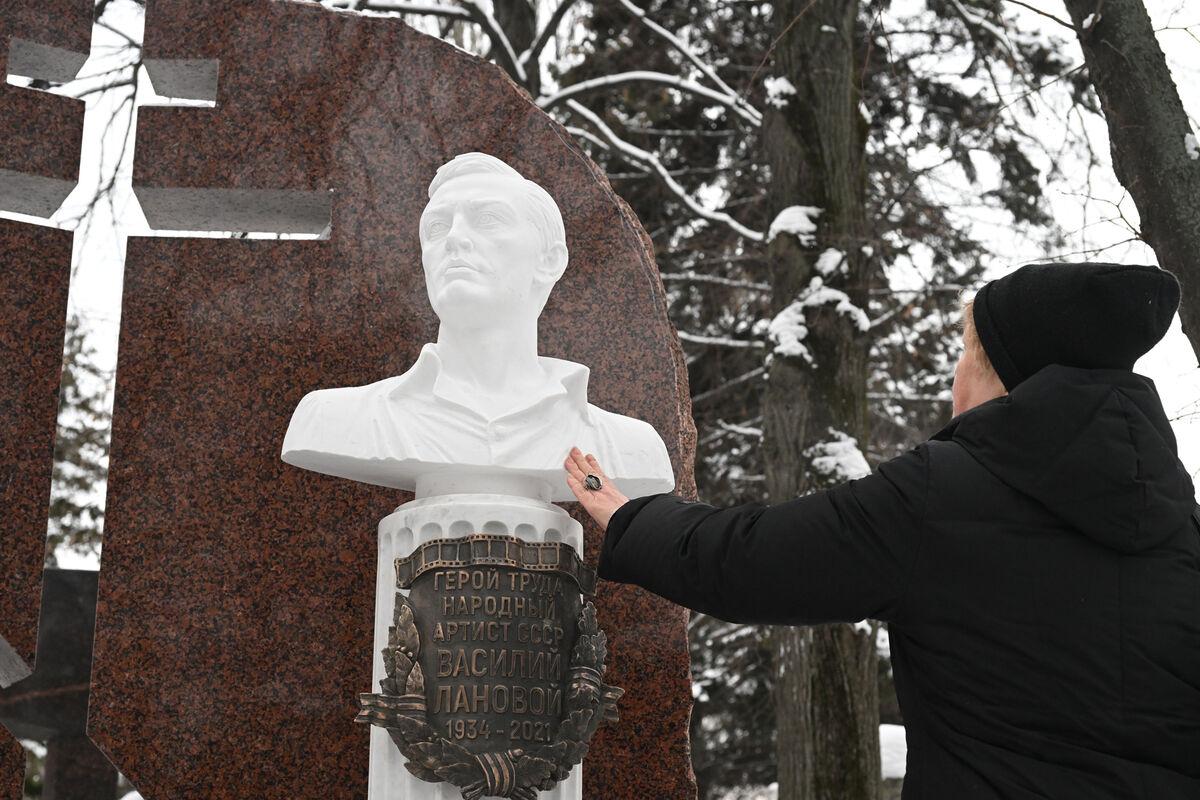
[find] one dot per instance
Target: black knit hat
(1087, 315)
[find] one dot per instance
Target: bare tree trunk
(1147, 127)
(828, 702)
(518, 20)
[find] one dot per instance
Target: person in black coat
(1036, 561)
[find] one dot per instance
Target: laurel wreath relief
(519, 773)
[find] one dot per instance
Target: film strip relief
(496, 550)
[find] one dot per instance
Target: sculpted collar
(568, 379)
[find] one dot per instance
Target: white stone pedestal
(434, 517)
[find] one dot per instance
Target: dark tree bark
(828, 702)
(518, 20)
(1147, 126)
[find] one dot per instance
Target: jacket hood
(1092, 445)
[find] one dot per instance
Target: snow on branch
(830, 261)
(789, 328)
(778, 88)
(492, 28)
(741, 430)
(468, 9)
(798, 221)
(539, 42)
(687, 53)
(986, 25)
(431, 9)
(901, 397)
(818, 294)
(584, 133)
(838, 459)
(719, 341)
(648, 159)
(648, 76)
(720, 280)
(1191, 145)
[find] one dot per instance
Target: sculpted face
(483, 257)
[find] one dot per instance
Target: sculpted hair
(542, 210)
(971, 340)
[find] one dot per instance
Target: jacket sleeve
(838, 555)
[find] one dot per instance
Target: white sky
(1172, 364)
(96, 288)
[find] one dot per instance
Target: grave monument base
(452, 506)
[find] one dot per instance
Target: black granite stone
(51, 705)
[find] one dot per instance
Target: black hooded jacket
(1037, 564)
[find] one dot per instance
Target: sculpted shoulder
(326, 416)
(332, 399)
(638, 442)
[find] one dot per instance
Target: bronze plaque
(494, 665)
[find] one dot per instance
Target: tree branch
(428, 9)
(646, 76)
(691, 277)
(687, 53)
(640, 156)
(530, 55)
(720, 341)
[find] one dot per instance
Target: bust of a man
(479, 407)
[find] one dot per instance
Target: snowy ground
(893, 750)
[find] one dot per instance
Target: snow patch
(1090, 21)
(37, 748)
(838, 459)
(788, 330)
(778, 87)
(828, 29)
(893, 751)
(830, 261)
(789, 327)
(818, 294)
(769, 792)
(1192, 146)
(798, 221)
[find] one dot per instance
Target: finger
(580, 460)
(573, 469)
(576, 487)
(594, 465)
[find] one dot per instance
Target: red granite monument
(35, 264)
(41, 43)
(235, 617)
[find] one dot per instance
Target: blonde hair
(971, 341)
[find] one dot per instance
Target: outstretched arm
(838, 555)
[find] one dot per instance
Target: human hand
(600, 503)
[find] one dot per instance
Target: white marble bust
(479, 407)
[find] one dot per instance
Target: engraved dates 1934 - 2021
(494, 646)
(494, 665)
